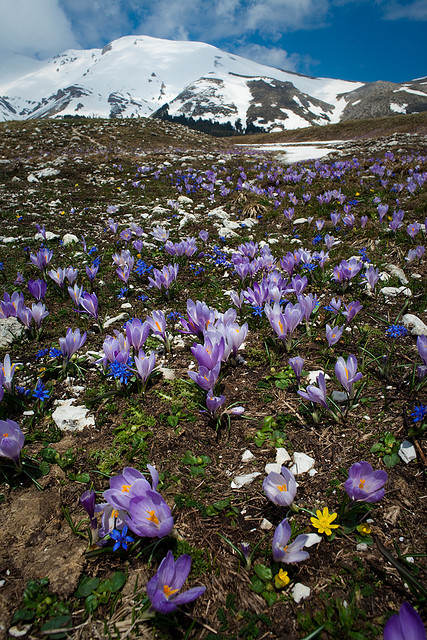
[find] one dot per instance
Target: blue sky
(362, 40)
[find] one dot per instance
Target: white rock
(393, 292)
(312, 472)
(300, 592)
(185, 200)
(10, 329)
(398, 272)
(266, 525)
(362, 546)
(312, 376)
(299, 221)
(69, 238)
(407, 451)
(223, 232)
(241, 481)
(282, 456)
(302, 463)
(32, 178)
(272, 466)
(19, 633)
(126, 305)
(119, 318)
(168, 374)
(339, 396)
(313, 538)
(68, 417)
(49, 172)
(415, 325)
(247, 456)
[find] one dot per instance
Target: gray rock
(396, 271)
(69, 238)
(393, 292)
(241, 481)
(415, 326)
(300, 592)
(340, 397)
(10, 330)
(407, 452)
(68, 417)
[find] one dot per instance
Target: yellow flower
(364, 529)
(323, 521)
(357, 193)
(281, 579)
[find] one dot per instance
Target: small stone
(313, 538)
(241, 481)
(312, 472)
(362, 546)
(10, 329)
(272, 467)
(247, 456)
(407, 451)
(119, 318)
(266, 525)
(126, 305)
(282, 456)
(168, 374)
(19, 633)
(68, 417)
(32, 178)
(312, 376)
(69, 238)
(300, 592)
(396, 271)
(340, 397)
(302, 463)
(415, 325)
(393, 292)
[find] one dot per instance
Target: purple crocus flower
(157, 324)
(412, 229)
(163, 588)
(333, 334)
(149, 515)
(199, 315)
(119, 493)
(137, 333)
(37, 289)
(213, 403)
(76, 293)
(8, 369)
(297, 364)
(316, 394)
(42, 258)
(203, 235)
(89, 303)
(71, 343)
(71, 274)
(205, 378)
(88, 499)
(364, 483)
(405, 625)
(346, 372)
(351, 310)
(11, 439)
(11, 305)
(280, 488)
(160, 233)
(210, 353)
(382, 210)
(25, 316)
(372, 276)
(58, 276)
(284, 552)
(145, 364)
(39, 313)
(363, 221)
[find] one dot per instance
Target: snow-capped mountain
(144, 76)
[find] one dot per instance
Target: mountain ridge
(142, 76)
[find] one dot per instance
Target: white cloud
(416, 10)
(34, 28)
(271, 56)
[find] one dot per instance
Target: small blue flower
(121, 538)
(122, 293)
(257, 311)
(396, 331)
(419, 413)
(40, 392)
(143, 297)
(119, 371)
(55, 353)
(42, 353)
(317, 239)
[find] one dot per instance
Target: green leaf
(56, 623)
(104, 585)
(189, 458)
(264, 573)
(282, 384)
(257, 584)
(86, 586)
(270, 597)
(91, 603)
(259, 442)
(389, 440)
(44, 467)
(391, 460)
(118, 579)
(84, 478)
(377, 447)
(23, 615)
(197, 471)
